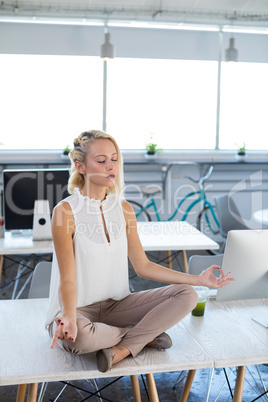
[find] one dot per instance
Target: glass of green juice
(202, 292)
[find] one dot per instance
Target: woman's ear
(80, 167)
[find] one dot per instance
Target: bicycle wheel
(207, 225)
(142, 216)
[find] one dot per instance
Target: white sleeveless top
(101, 267)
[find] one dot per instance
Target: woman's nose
(109, 165)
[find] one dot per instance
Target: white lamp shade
(107, 49)
(231, 54)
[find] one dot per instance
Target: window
(46, 101)
(243, 118)
(175, 100)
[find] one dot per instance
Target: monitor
(246, 256)
(23, 187)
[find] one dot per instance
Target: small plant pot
(241, 156)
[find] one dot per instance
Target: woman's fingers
(62, 332)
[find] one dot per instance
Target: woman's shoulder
(129, 214)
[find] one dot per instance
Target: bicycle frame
(201, 198)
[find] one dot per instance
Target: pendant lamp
(231, 53)
(107, 49)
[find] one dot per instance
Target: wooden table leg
(32, 392)
(152, 390)
(239, 384)
(21, 393)
(185, 261)
(1, 265)
(136, 388)
(187, 385)
(169, 259)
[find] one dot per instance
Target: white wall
(54, 39)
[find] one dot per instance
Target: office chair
(197, 263)
(228, 215)
(39, 287)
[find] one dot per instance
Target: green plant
(66, 150)
(242, 149)
(151, 147)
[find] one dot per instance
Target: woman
(94, 232)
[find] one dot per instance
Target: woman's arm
(149, 270)
(62, 232)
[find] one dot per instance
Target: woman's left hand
(207, 278)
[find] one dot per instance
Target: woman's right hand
(66, 330)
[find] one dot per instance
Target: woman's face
(101, 165)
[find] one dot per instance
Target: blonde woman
(94, 233)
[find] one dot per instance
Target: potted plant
(152, 149)
(65, 152)
(241, 152)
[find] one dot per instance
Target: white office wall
(24, 38)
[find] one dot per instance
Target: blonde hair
(79, 153)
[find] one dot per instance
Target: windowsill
(132, 156)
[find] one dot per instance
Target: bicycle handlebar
(207, 176)
(202, 179)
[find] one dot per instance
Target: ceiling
(237, 12)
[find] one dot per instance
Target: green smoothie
(199, 310)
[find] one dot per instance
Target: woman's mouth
(111, 176)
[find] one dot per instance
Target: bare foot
(152, 343)
(119, 352)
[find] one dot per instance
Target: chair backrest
(39, 287)
(228, 215)
(197, 263)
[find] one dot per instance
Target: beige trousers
(131, 322)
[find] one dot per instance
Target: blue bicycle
(207, 221)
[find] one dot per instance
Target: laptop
(246, 256)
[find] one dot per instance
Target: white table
(27, 358)
(155, 236)
(261, 216)
(174, 235)
(228, 334)
(22, 245)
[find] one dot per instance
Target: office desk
(155, 236)
(228, 334)
(26, 356)
(174, 235)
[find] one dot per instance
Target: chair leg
(239, 385)
(21, 393)
(187, 385)
(169, 259)
(136, 388)
(185, 261)
(152, 390)
(32, 392)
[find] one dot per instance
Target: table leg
(187, 385)
(21, 393)
(135, 388)
(152, 390)
(169, 260)
(185, 261)
(1, 265)
(32, 392)
(239, 384)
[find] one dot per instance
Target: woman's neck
(96, 193)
